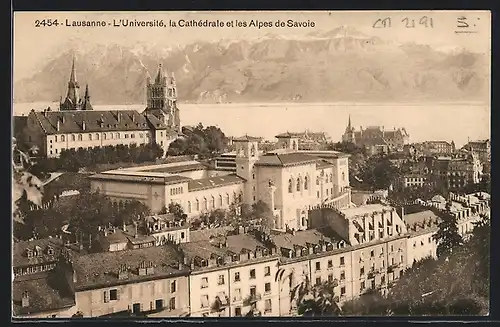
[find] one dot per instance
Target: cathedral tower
(72, 100)
(349, 133)
(161, 99)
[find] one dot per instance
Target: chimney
(135, 225)
(25, 300)
(181, 265)
(58, 126)
(62, 119)
(119, 117)
(83, 125)
(124, 226)
(90, 241)
(133, 118)
(105, 232)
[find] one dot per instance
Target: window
(317, 194)
(173, 287)
(237, 296)
(221, 280)
(372, 253)
(342, 291)
(73, 137)
(362, 287)
(55, 137)
(331, 178)
(342, 261)
(104, 136)
(197, 205)
(267, 271)
(330, 278)
(117, 135)
(343, 177)
(182, 235)
(267, 288)
(90, 137)
(204, 301)
(212, 204)
(306, 183)
(97, 136)
(189, 207)
(228, 200)
(361, 271)
(318, 280)
(318, 266)
(253, 176)
(252, 273)
(392, 248)
(220, 200)
(171, 303)
(317, 180)
(205, 204)
(268, 306)
(237, 277)
(290, 186)
(63, 138)
(298, 184)
(113, 295)
(80, 137)
(204, 282)
(237, 312)
(330, 263)
(342, 275)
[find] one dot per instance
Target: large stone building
(290, 181)
(78, 125)
(454, 172)
(375, 139)
(482, 148)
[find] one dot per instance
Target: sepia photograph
(250, 164)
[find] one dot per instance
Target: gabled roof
(19, 254)
(213, 182)
(84, 121)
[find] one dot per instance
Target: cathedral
(77, 125)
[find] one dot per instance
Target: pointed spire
(349, 123)
(87, 94)
(72, 77)
(159, 76)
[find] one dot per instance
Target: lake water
(448, 121)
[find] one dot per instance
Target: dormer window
(50, 250)
(29, 253)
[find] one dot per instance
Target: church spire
(349, 123)
(160, 76)
(72, 101)
(72, 77)
(86, 99)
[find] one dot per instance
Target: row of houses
(228, 272)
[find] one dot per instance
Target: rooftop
(101, 269)
(285, 159)
(140, 177)
(20, 257)
(213, 182)
(176, 169)
(303, 238)
(420, 217)
(247, 138)
(43, 296)
(365, 209)
(60, 122)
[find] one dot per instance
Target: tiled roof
(96, 121)
(43, 295)
(286, 135)
(213, 182)
(285, 159)
(419, 217)
(235, 245)
(20, 258)
(179, 168)
(323, 164)
(365, 209)
(171, 179)
(247, 138)
(101, 269)
(205, 234)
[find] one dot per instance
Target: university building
(289, 180)
(77, 125)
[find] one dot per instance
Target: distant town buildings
(482, 148)
(77, 125)
(376, 139)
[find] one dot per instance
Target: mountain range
(338, 65)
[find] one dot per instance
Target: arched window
(117, 135)
(189, 207)
(205, 204)
(290, 186)
(97, 136)
(212, 205)
(298, 184)
(104, 136)
(294, 145)
(240, 197)
(73, 137)
(306, 182)
(80, 137)
(63, 138)
(197, 205)
(343, 177)
(55, 138)
(317, 180)
(234, 196)
(252, 150)
(228, 199)
(220, 200)
(111, 135)
(90, 137)
(331, 178)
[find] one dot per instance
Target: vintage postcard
(243, 164)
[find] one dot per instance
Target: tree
(177, 210)
(447, 237)
(263, 214)
(370, 303)
(316, 300)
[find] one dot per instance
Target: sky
(34, 45)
